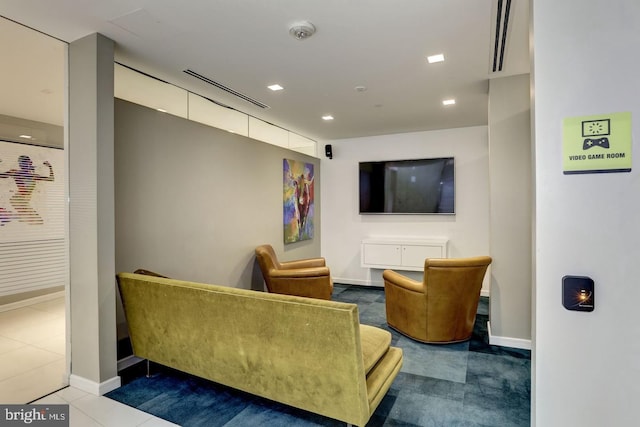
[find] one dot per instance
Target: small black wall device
(578, 293)
(328, 151)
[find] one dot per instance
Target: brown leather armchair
(149, 273)
(442, 309)
(305, 278)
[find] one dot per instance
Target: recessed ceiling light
(435, 58)
(327, 117)
(449, 102)
(275, 87)
(162, 110)
(26, 136)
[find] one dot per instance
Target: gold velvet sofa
(308, 277)
(307, 353)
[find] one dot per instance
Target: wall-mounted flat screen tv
(419, 186)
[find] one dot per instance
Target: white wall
(344, 228)
(586, 365)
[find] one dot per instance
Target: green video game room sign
(596, 144)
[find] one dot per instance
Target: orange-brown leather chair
(148, 273)
(442, 309)
(306, 277)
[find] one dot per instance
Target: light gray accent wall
(193, 201)
(91, 209)
(510, 194)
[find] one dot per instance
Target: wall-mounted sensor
(578, 293)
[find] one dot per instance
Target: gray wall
(46, 135)
(511, 195)
(91, 215)
(193, 202)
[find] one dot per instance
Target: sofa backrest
(299, 351)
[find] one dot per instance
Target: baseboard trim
(30, 301)
(508, 341)
(97, 389)
(128, 361)
(357, 282)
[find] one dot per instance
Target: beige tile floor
(32, 365)
(32, 351)
(87, 410)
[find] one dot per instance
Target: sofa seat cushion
(375, 343)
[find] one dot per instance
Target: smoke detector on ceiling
(302, 30)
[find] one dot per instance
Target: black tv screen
(420, 186)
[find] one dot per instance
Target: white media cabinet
(401, 253)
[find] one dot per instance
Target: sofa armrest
(299, 272)
(303, 263)
(401, 281)
(375, 343)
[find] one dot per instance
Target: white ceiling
(245, 45)
(32, 75)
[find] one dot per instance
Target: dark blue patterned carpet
(465, 384)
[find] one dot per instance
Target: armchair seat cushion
(375, 343)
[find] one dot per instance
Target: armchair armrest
(303, 263)
(300, 272)
(401, 281)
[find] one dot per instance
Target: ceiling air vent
(226, 89)
(501, 31)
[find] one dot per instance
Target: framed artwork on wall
(32, 197)
(298, 197)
